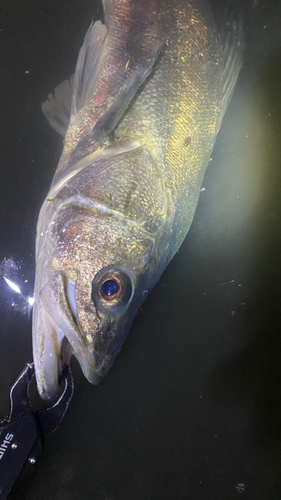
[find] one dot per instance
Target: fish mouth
(55, 320)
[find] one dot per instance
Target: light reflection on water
(14, 288)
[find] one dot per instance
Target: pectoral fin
(108, 121)
(232, 38)
(87, 67)
(57, 107)
(71, 95)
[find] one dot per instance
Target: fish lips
(103, 351)
(95, 355)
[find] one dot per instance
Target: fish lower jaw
(93, 373)
(94, 378)
(67, 350)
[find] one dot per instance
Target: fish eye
(111, 288)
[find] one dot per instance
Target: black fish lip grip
(22, 433)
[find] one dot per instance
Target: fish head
(99, 268)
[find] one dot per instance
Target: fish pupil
(110, 287)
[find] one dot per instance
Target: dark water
(192, 406)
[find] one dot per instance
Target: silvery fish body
(146, 101)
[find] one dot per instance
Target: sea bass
(140, 117)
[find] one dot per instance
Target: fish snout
(104, 351)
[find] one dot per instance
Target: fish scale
(146, 101)
(192, 96)
(135, 194)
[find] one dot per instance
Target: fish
(139, 119)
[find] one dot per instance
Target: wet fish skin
(143, 124)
